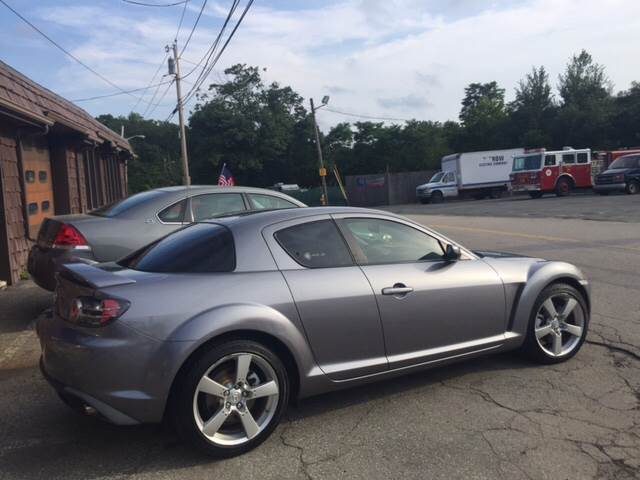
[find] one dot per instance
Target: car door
(333, 297)
(430, 307)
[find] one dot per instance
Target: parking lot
(497, 417)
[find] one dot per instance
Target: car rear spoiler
(93, 276)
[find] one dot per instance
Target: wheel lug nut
(239, 405)
(228, 405)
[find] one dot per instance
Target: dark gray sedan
(114, 231)
(217, 326)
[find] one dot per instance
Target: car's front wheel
(231, 398)
(633, 187)
(558, 324)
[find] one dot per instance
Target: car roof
(178, 190)
(260, 219)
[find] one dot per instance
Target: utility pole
(322, 170)
(183, 139)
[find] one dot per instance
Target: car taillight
(96, 312)
(68, 236)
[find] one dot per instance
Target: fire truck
(600, 161)
(541, 171)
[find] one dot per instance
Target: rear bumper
(124, 375)
(609, 187)
(44, 263)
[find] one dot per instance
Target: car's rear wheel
(231, 398)
(558, 324)
(633, 187)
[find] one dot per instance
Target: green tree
(584, 117)
(483, 117)
(247, 125)
(157, 160)
(626, 119)
(533, 110)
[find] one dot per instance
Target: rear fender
(540, 276)
(245, 317)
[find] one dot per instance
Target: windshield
(437, 177)
(128, 203)
(529, 162)
(626, 162)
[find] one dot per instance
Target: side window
(268, 202)
(451, 177)
(549, 160)
(583, 158)
(173, 213)
(215, 204)
(315, 245)
(568, 158)
(385, 241)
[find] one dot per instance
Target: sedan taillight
(69, 236)
(96, 312)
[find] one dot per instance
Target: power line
(144, 4)
(193, 29)
(151, 81)
(120, 93)
(209, 53)
(155, 93)
(370, 117)
(155, 105)
(66, 52)
(208, 68)
(181, 20)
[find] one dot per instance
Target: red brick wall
(18, 243)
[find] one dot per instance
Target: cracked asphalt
(490, 418)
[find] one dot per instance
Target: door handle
(398, 289)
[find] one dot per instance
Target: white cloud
(390, 58)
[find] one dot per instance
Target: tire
(237, 420)
(633, 187)
(544, 329)
(535, 194)
(496, 193)
(437, 197)
(563, 187)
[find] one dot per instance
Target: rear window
(121, 206)
(198, 248)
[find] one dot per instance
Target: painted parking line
(529, 236)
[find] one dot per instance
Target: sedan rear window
(128, 203)
(198, 248)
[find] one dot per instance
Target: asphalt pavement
(491, 418)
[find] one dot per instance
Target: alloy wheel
(236, 399)
(559, 324)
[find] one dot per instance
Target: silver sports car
(217, 326)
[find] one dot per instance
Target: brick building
(55, 159)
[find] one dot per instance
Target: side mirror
(452, 253)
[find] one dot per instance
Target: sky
(381, 58)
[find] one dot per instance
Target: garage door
(39, 187)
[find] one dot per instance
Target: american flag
(226, 177)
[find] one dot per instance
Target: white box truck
(475, 174)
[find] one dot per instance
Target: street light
(322, 170)
(135, 136)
